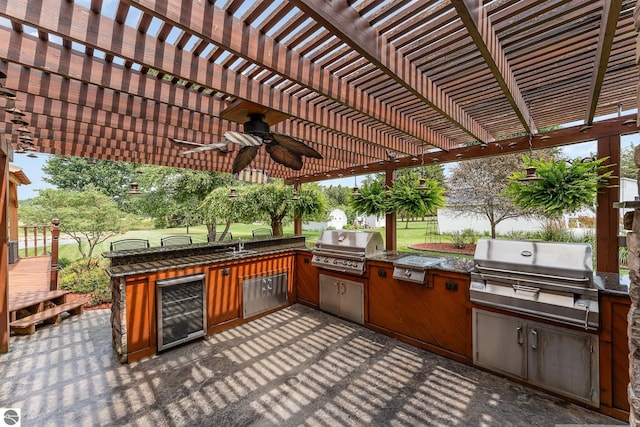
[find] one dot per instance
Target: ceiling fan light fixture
(512, 144)
(545, 138)
(483, 145)
(629, 122)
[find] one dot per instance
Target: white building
(337, 221)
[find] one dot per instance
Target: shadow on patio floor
(296, 366)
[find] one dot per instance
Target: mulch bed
(85, 298)
(444, 248)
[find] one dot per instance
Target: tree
(477, 187)
(76, 173)
(628, 167)
(173, 196)
(405, 197)
(218, 207)
(271, 202)
(564, 186)
(337, 196)
(86, 216)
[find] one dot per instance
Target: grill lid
(361, 243)
(568, 260)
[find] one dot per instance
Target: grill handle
(336, 252)
(523, 288)
(534, 339)
(535, 275)
(519, 335)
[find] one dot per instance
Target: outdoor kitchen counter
(143, 261)
(611, 283)
(451, 264)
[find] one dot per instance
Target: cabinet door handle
(519, 335)
(534, 339)
(337, 287)
(344, 289)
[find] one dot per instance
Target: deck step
(27, 325)
(57, 297)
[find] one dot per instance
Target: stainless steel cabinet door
(499, 343)
(352, 301)
(564, 361)
(330, 294)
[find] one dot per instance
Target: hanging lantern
(134, 189)
(530, 175)
(232, 192)
(423, 184)
(295, 196)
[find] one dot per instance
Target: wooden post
(4, 246)
(607, 217)
(297, 220)
(390, 221)
(55, 235)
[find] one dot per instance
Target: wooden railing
(30, 244)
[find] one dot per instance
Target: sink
(242, 253)
(418, 261)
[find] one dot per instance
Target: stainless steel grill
(551, 281)
(346, 251)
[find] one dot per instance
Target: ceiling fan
(283, 149)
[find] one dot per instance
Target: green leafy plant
(86, 277)
(563, 187)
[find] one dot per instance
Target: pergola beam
(610, 15)
(177, 101)
(474, 16)
(237, 37)
(345, 22)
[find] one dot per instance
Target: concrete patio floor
(298, 366)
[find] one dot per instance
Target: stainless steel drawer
(264, 293)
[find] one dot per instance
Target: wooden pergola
(372, 85)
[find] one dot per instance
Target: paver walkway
(297, 366)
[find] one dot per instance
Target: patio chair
(261, 232)
(126, 244)
(216, 237)
(175, 240)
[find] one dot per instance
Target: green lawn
(416, 233)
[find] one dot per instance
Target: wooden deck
(28, 279)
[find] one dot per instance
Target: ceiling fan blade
(244, 157)
(218, 146)
(182, 141)
(243, 139)
(283, 156)
(295, 146)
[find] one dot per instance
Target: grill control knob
(335, 261)
(326, 259)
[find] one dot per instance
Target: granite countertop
(612, 283)
(195, 260)
(448, 263)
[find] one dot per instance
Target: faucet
(240, 245)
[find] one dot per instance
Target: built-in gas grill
(346, 251)
(552, 281)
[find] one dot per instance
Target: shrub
(63, 262)
(623, 255)
(86, 277)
